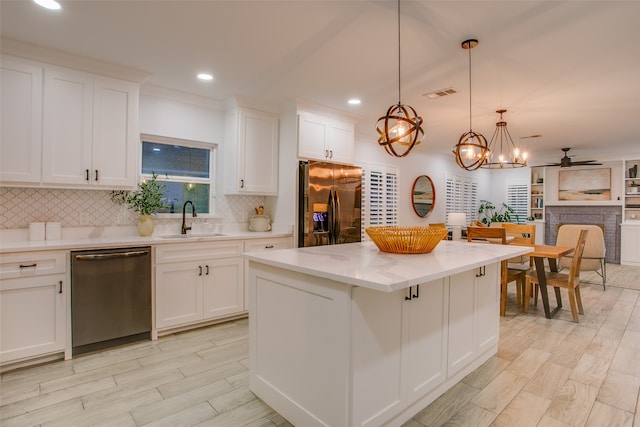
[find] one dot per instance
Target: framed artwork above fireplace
(584, 184)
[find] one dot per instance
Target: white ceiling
(569, 71)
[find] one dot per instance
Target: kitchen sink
(190, 236)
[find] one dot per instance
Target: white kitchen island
(347, 335)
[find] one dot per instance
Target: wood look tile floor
(546, 373)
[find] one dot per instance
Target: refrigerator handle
(336, 216)
(330, 217)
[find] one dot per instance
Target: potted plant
(633, 187)
(147, 200)
(488, 213)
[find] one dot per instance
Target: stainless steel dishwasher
(110, 297)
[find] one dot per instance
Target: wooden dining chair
(522, 234)
(570, 281)
(507, 275)
(440, 225)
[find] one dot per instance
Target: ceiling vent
(440, 93)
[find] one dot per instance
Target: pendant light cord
(399, 98)
(469, 48)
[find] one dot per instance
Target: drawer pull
(60, 288)
(28, 265)
(199, 270)
(86, 176)
(269, 247)
(96, 175)
(206, 269)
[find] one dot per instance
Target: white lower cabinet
(400, 354)
(427, 333)
(33, 305)
(473, 325)
(630, 244)
(197, 282)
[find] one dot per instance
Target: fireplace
(607, 217)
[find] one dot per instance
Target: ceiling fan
(566, 162)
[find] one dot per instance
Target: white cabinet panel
(426, 341)
(630, 245)
(196, 282)
(33, 305)
(115, 133)
(178, 296)
(251, 152)
(90, 130)
(223, 292)
(461, 320)
(376, 356)
(325, 138)
(21, 120)
(67, 127)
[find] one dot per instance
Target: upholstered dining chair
(440, 225)
(594, 249)
(570, 281)
(507, 275)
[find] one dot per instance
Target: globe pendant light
(471, 149)
(500, 144)
(401, 125)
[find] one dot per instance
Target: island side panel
(299, 328)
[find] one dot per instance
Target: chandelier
(401, 125)
(503, 153)
(471, 149)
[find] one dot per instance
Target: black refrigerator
(329, 203)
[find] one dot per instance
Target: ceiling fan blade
(585, 162)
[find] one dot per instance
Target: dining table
(552, 254)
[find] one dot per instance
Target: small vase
(145, 225)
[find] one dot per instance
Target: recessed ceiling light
(205, 76)
(48, 4)
(354, 102)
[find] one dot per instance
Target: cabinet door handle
(86, 174)
(199, 270)
(331, 154)
(206, 269)
(60, 288)
(96, 174)
(326, 154)
(242, 183)
(269, 247)
(28, 265)
(481, 271)
(408, 298)
(417, 294)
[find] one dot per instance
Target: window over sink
(185, 167)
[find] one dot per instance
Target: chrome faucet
(184, 211)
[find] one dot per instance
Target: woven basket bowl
(406, 240)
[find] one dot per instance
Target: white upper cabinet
(251, 152)
(325, 138)
(89, 130)
(21, 121)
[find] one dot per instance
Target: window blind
(518, 199)
(380, 195)
(461, 196)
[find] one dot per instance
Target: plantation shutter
(518, 199)
(379, 197)
(461, 196)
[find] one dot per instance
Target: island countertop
(362, 264)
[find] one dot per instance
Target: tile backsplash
(80, 208)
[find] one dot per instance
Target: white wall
(501, 179)
(420, 161)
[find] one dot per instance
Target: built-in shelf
(536, 196)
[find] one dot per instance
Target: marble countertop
(362, 264)
(100, 238)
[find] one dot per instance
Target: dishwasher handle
(100, 257)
